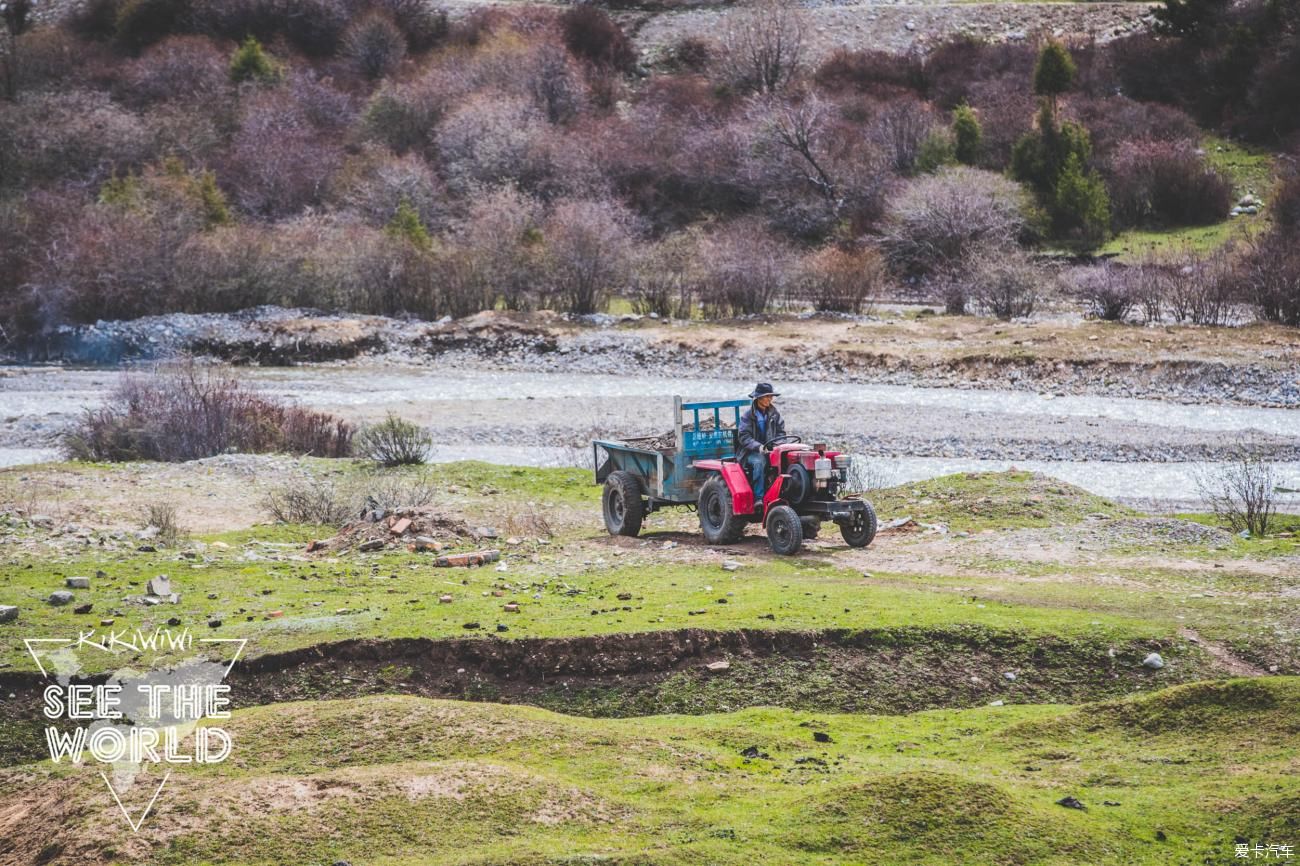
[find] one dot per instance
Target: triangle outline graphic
(135, 825)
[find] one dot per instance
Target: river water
(36, 401)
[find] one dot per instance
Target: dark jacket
(747, 433)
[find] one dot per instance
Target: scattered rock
(444, 599)
(822, 737)
(471, 626)
(84, 608)
(1009, 676)
(77, 583)
(718, 667)
(8, 613)
(754, 752)
(60, 597)
(160, 585)
(214, 623)
(485, 532)
(1153, 661)
(400, 526)
(106, 622)
(502, 627)
(465, 560)
(371, 545)
(1070, 803)
(730, 565)
(512, 607)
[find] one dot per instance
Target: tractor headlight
(841, 461)
(822, 467)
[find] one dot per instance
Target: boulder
(60, 597)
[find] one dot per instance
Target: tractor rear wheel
(860, 529)
(718, 520)
(784, 530)
(621, 504)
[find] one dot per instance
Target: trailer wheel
(621, 504)
(859, 530)
(784, 530)
(718, 521)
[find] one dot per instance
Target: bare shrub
(490, 139)
(763, 46)
(307, 499)
(404, 115)
(866, 474)
(327, 501)
(1271, 274)
(423, 24)
(881, 73)
(529, 524)
(394, 442)
(314, 27)
(843, 280)
(588, 247)
(1161, 183)
(1199, 289)
(187, 412)
(374, 183)
(1110, 291)
(590, 34)
(665, 276)
(162, 517)
(75, 135)
(940, 220)
(901, 130)
(375, 45)
(746, 271)
(180, 68)
(1006, 284)
(1241, 493)
(277, 163)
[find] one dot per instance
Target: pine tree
(407, 226)
(251, 63)
(1054, 73)
(215, 211)
(967, 134)
(1082, 206)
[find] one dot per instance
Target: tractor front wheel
(718, 520)
(621, 503)
(784, 530)
(860, 529)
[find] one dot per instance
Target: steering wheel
(780, 440)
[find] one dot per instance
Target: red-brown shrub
(188, 412)
(591, 35)
(1163, 183)
(78, 134)
(877, 72)
(277, 163)
(180, 68)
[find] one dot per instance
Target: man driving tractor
(760, 424)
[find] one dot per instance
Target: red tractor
(700, 469)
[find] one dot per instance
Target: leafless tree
(1243, 492)
(797, 129)
(763, 46)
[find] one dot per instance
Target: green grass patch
(1169, 777)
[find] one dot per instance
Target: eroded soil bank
(692, 671)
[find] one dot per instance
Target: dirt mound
(415, 528)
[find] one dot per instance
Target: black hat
(762, 389)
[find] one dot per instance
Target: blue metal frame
(669, 476)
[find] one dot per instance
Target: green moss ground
(1171, 777)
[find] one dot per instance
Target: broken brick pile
(423, 529)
